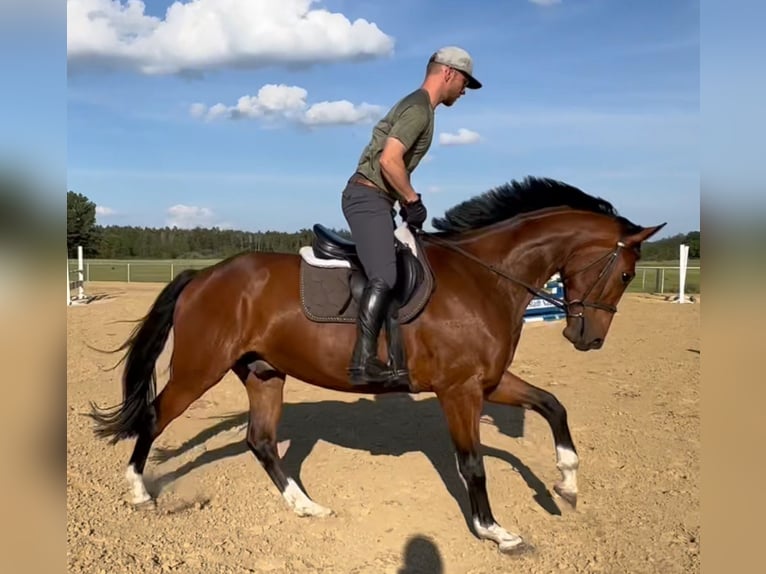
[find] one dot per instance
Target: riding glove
(414, 214)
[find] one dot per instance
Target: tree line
(127, 242)
(667, 249)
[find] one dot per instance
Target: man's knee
(388, 275)
(381, 263)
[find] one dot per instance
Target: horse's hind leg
(514, 391)
(184, 386)
(462, 409)
(264, 390)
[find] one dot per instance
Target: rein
(542, 294)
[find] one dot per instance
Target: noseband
(563, 304)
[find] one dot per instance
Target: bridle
(563, 304)
(612, 259)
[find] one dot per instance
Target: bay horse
(487, 257)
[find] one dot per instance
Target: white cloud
(104, 211)
(189, 216)
(462, 137)
(545, 2)
(281, 102)
(340, 112)
(198, 110)
(200, 35)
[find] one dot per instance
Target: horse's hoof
(323, 512)
(568, 496)
(516, 549)
(315, 511)
(145, 504)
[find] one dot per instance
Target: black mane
(517, 197)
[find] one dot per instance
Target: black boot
(374, 305)
(397, 358)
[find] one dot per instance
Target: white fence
(77, 285)
(649, 279)
(665, 279)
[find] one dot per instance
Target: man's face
(456, 82)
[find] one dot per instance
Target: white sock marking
(568, 462)
(302, 504)
(136, 482)
(505, 540)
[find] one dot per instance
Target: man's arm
(404, 133)
(393, 169)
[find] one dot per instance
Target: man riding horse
(399, 141)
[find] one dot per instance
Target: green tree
(693, 241)
(81, 224)
(666, 249)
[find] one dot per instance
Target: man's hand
(414, 213)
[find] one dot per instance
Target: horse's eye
(626, 277)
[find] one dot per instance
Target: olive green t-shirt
(411, 121)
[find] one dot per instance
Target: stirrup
(359, 376)
(399, 378)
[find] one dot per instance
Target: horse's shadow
(384, 425)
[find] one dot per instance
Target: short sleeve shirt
(411, 121)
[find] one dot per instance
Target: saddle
(333, 279)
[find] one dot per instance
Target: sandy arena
(386, 467)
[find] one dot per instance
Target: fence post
(80, 278)
(171, 272)
(643, 280)
(128, 264)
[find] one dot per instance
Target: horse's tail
(139, 383)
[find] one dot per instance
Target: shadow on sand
(382, 425)
(421, 556)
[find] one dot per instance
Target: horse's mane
(519, 197)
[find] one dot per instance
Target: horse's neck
(531, 249)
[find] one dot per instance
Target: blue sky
(601, 94)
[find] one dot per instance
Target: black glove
(414, 214)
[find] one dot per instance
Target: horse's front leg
(514, 391)
(462, 406)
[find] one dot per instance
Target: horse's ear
(643, 235)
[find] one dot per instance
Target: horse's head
(595, 277)
(596, 257)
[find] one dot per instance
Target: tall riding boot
(397, 357)
(366, 367)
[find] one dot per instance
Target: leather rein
(563, 304)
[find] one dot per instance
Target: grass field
(651, 277)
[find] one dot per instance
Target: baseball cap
(459, 59)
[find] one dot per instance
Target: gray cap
(459, 59)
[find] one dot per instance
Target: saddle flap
(409, 273)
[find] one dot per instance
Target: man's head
(453, 68)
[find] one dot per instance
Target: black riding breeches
(370, 215)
